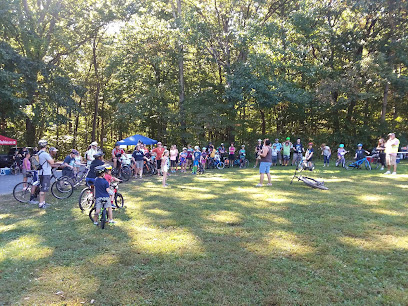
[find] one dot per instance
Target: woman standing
(381, 152)
(138, 158)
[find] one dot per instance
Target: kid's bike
(308, 181)
(359, 164)
(102, 214)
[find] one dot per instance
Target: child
(190, 152)
(274, 155)
(286, 147)
(326, 152)
(110, 179)
(26, 167)
(165, 166)
(102, 194)
(242, 155)
(204, 155)
(309, 156)
(183, 159)
(173, 157)
(360, 152)
(197, 157)
(340, 155)
(231, 155)
(77, 164)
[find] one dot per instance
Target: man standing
(265, 163)
(45, 164)
(391, 150)
(91, 152)
(298, 151)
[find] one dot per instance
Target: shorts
(286, 157)
(173, 163)
(189, 158)
(391, 160)
(45, 181)
(165, 168)
(264, 167)
(183, 160)
(24, 172)
(231, 156)
(99, 203)
(274, 159)
(279, 156)
(139, 164)
(195, 163)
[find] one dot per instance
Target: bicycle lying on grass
(311, 182)
(358, 164)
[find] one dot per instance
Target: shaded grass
(216, 239)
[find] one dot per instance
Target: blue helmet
(360, 145)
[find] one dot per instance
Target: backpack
(35, 161)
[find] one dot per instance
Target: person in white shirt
(391, 150)
(91, 152)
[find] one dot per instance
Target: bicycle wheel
(92, 213)
(62, 189)
(350, 165)
(22, 192)
(103, 218)
(119, 201)
(313, 183)
(367, 165)
(86, 199)
(246, 163)
(125, 173)
(220, 165)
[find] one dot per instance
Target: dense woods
(195, 70)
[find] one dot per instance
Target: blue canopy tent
(135, 139)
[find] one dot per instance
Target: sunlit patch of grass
(25, 247)
(370, 198)
(224, 216)
(387, 212)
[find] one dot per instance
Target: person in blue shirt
(360, 152)
(90, 178)
(68, 164)
(242, 155)
(196, 159)
(102, 194)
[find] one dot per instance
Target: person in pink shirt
(173, 158)
(231, 155)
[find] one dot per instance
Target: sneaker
(388, 172)
(269, 184)
(394, 173)
(33, 202)
(45, 205)
(324, 166)
(254, 167)
(382, 168)
(113, 206)
(96, 223)
(258, 185)
(111, 222)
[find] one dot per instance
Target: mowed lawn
(216, 239)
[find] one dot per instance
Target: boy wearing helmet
(360, 152)
(102, 194)
(90, 178)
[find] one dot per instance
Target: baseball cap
(73, 151)
(94, 143)
(287, 138)
(53, 149)
(259, 139)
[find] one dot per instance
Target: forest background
(194, 71)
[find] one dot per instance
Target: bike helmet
(99, 170)
(259, 140)
(204, 148)
(360, 145)
(42, 143)
(99, 154)
(196, 148)
(108, 167)
(117, 144)
(341, 145)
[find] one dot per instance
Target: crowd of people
(267, 154)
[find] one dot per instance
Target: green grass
(216, 239)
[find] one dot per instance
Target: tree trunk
(263, 122)
(384, 104)
(96, 107)
(30, 133)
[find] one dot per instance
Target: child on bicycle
(309, 156)
(110, 179)
(242, 155)
(341, 152)
(360, 152)
(102, 194)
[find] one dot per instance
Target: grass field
(216, 239)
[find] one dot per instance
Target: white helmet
(42, 143)
(196, 148)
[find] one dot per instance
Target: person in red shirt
(116, 154)
(159, 153)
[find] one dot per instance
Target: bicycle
(102, 214)
(60, 189)
(123, 169)
(305, 165)
(77, 178)
(200, 169)
(374, 160)
(298, 161)
(15, 168)
(244, 163)
(341, 160)
(87, 197)
(149, 168)
(308, 181)
(358, 164)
